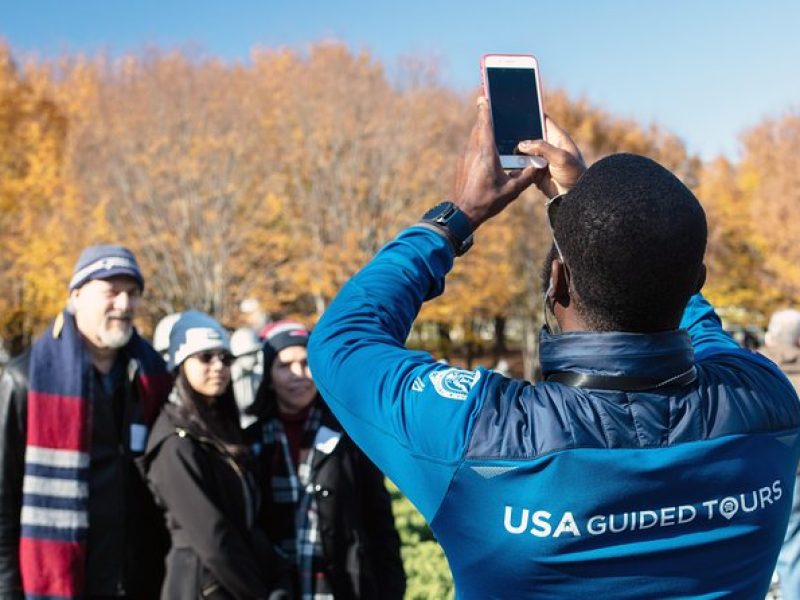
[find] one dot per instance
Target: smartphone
(512, 85)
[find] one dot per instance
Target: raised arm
(705, 328)
(410, 414)
(381, 392)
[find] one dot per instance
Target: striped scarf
(54, 517)
(293, 509)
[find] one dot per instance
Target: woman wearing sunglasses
(199, 470)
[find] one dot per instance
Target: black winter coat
(210, 506)
(360, 542)
(145, 542)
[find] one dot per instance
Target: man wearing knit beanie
(323, 499)
(104, 273)
(76, 517)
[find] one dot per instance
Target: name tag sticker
(138, 437)
(326, 439)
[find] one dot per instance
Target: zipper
(209, 589)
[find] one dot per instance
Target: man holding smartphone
(656, 460)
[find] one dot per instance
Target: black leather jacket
(359, 539)
(127, 560)
(13, 417)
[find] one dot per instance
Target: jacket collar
(617, 354)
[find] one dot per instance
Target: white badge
(326, 439)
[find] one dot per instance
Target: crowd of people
(126, 470)
(657, 458)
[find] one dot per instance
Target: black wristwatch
(453, 223)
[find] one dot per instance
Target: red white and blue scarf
(54, 518)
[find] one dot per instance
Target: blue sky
(704, 69)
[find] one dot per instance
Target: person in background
(782, 346)
(76, 517)
(253, 315)
(247, 370)
(325, 503)
(199, 469)
(161, 334)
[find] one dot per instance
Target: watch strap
(450, 220)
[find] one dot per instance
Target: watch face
(438, 211)
(448, 217)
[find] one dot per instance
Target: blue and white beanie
(195, 332)
(104, 261)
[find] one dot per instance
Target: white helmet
(162, 331)
(244, 341)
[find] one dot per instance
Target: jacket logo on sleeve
(453, 383)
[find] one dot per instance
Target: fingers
(559, 149)
(519, 181)
(565, 161)
(560, 138)
(551, 153)
(484, 123)
(486, 133)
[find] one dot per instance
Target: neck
(569, 319)
(292, 412)
(102, 358)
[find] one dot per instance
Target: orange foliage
(277, 179)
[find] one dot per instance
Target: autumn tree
(770, 179)
(173, 153)
(358, 158)
(735, 254)
(33, 245)
(280, 177)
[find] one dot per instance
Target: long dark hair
(218, 421)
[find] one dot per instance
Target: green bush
(426, 567)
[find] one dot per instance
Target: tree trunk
(499, 338)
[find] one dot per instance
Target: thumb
(541, 148)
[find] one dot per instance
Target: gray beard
(115, 338)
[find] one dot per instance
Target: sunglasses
(226, 358)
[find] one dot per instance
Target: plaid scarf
(54, 517)
(293, 505)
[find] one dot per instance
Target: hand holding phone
(511, 84)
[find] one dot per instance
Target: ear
(559, 283)
(701, 278)
(72, 300)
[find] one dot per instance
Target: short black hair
(633, 238)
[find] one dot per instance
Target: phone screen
(515, 107)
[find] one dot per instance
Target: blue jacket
(550, 491)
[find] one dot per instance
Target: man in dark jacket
(324, 503)
(656, 460)
(76, 518)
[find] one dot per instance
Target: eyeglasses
(226, 358)
(552, 207)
